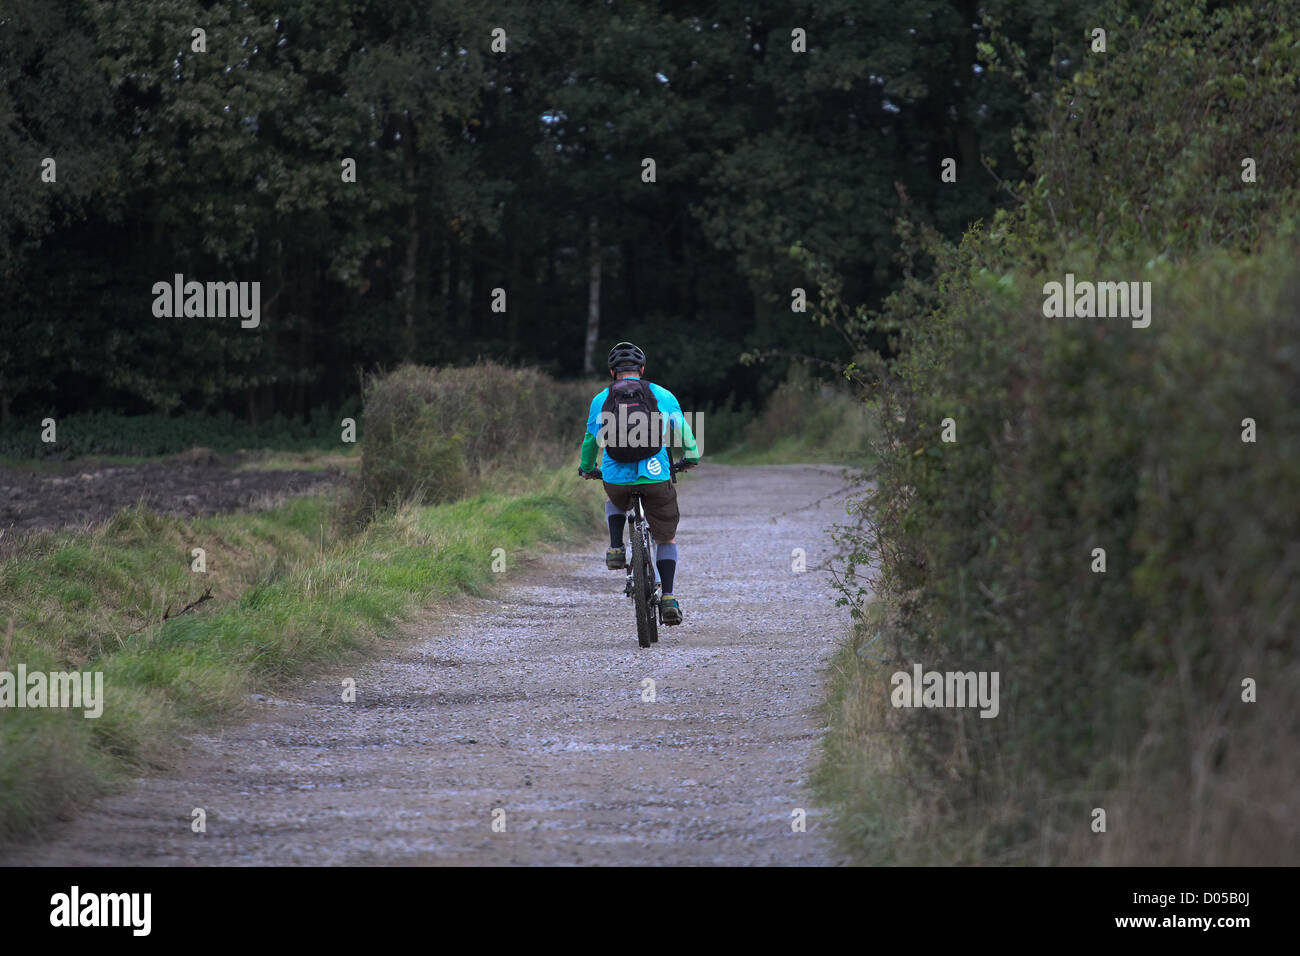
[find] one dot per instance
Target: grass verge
(886, 812)
(858, 773)
(287, 597)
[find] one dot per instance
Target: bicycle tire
(652, 609)
(650, 590)
(642, 588)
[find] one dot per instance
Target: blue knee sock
(666, 560)
(616, 520)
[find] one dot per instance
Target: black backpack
(630, 421)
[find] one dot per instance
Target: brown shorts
(659, 499)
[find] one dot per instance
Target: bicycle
(642, 582)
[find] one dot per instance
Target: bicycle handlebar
(595, 473)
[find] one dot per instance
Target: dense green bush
(430, 434)
(1123, 689)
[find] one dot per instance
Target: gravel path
(531, 705)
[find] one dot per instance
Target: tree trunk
(469, 314)
(412, 237)
(408, 278)
(631, 294)
(517, 272)
(967, 136)
(306, 320)
(764, 322)
(593, 298)
(454, 310)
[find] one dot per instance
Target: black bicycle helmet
(625, 356)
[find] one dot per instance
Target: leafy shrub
(1121, 690)
(431, 434)
(804, 419)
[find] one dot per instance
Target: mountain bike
(642, 583)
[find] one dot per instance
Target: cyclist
(632, 455)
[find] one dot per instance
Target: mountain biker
(644, 463)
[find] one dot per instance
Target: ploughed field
(70, 494)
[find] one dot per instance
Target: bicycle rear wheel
(652, 586)
(643, 585)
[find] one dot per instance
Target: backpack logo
(654, 467)
(631, 428)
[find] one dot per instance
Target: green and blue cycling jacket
(652, 469)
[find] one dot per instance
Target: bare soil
(87, 492)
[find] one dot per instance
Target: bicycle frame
(636, 519)
(647, 592)
(642, 555)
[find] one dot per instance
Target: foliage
(431, 434)
(84, 434)
(804, 420)
(1123, 689)
(476, 170)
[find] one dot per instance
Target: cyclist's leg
(663, 515)
(620, 499)
(616, 556)
(670, 610)
(666, 560)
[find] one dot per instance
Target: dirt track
(532, 703)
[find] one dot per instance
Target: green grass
(854, 773)
(288, 598)
(109, 434)
(886, 812)
(804, 421)
(57, 466)
(314, 459)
